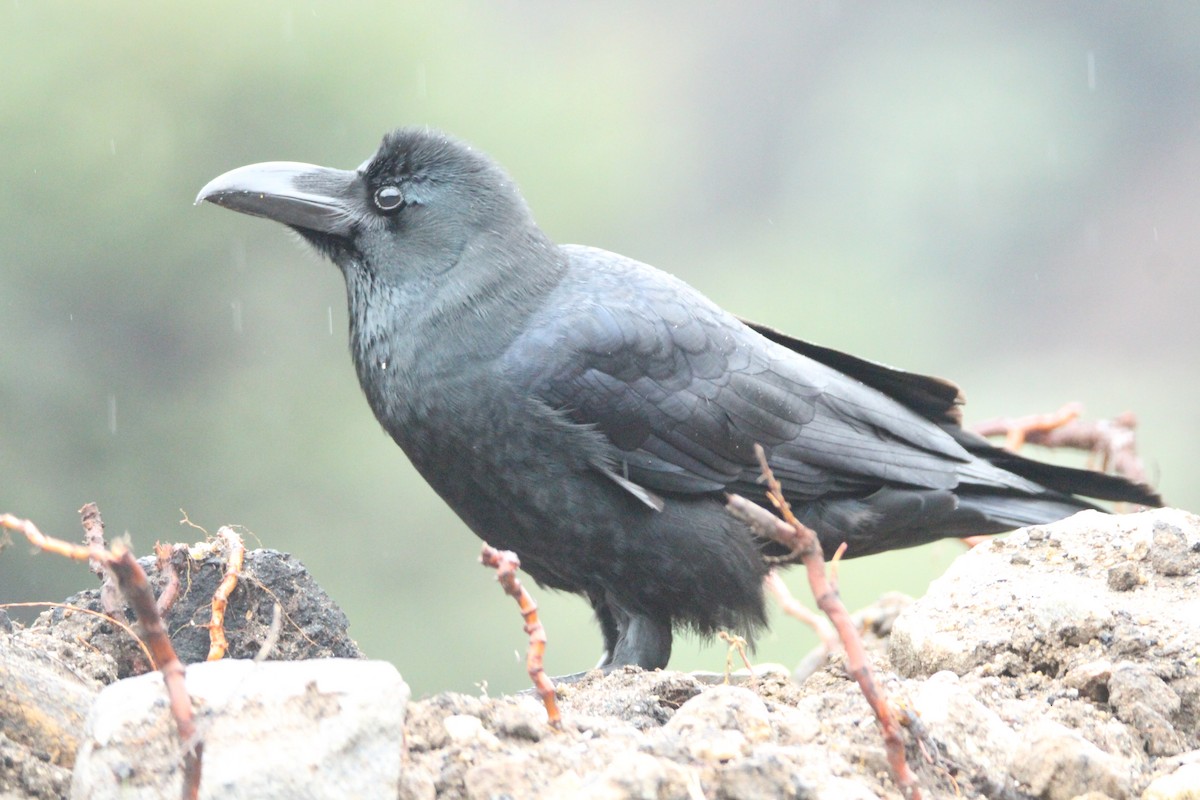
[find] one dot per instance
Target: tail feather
(1059, 479)
(892, 518)
(1005, 512)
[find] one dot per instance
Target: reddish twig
(1034, 426)
(801, 539)
(1110, 443)
(506, 565)
(166, 567)
(235, 551)
(93, 536)
(131, 580)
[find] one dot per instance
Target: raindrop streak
(1091, 61)
(112, 414)
(330, 310)
(236, 305)
(112, 145)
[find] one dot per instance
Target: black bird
(590, 412)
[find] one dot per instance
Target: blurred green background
(1002, 193)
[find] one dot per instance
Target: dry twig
(801, 540)
(93, 536)
(738, 644)
(131, 580)
(506, 565)
(1110, 443)
(166, 567)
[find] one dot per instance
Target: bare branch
(803, 541)
(1110, 443)
(506, 565)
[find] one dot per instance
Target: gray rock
(1058, 764)
(1182, 784)
(986, 606)
(1125, 577)
(1171, 556)
(769, 773)
(972, 735)
(1147, 703)
(1090, 679)
(720, 724)
(638, 776)
(327, 728)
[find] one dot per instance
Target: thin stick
(506, 565)
(803, 541)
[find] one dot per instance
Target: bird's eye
(388, 198)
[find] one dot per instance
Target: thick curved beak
(300, 195)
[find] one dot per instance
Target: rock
(1182, 784)
(720, 724)
(1142, 699)
(628, 698)
(769, 773)
(1171, 555)
(1059, 764)
(44, 701)
(26, 776)
(1091, 679)
(316, 729)
(843, 789)
(639, 776)
(465, 730)
(1125, 577)
(972, 735)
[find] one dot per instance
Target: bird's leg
(641, 640)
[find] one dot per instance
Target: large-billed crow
(590, 412)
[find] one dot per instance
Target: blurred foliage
(1002, 193)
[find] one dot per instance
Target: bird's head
(408, 211)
